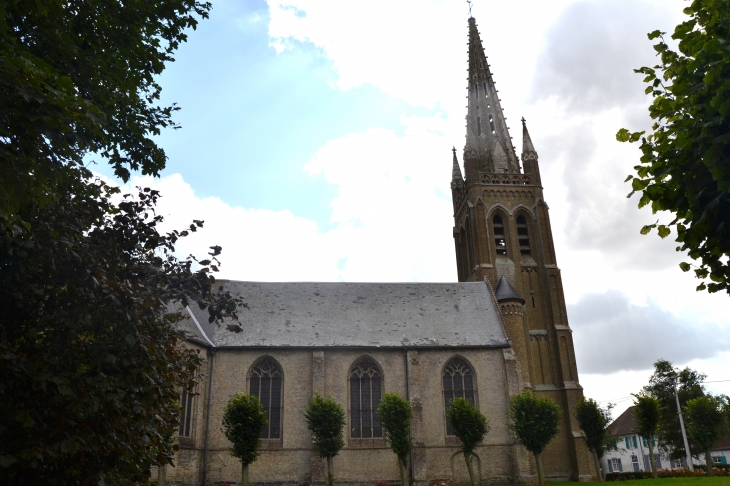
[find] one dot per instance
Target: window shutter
(628, 445)
(620, 466)
(647, 463)
(610, 465)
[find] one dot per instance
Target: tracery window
(500, 242)
(523, 236)
(458, 383)
(265, 383)
(186, 413)
(366, 385)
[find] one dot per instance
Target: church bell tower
(502, 234)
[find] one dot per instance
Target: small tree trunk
(467, 458)
(652, 459)
(244, 474)
(708, 462)
(403, 472)
(330, 474)
(597, 463)
(540, 473)
(162, 475)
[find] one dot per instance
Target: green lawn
(717, 481)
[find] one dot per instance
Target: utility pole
(681, 425)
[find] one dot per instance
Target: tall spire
(529, 155)
(488, 144)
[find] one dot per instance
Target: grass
(716, 481)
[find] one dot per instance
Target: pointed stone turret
(529, 156)
(505, 292)
(456, 171)
(488, 145)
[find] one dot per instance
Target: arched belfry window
(458, 383)
(265, 383)
(500, 242)
(366, 390)
(523, 236)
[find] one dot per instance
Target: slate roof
(623, 425)
(305, 314)
(505, 291)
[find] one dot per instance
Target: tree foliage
(594, 421)
(326, 419)
(469, 424)
(647, 417)
(243, 419)
(78, 77)
(689, 386)
(685, 162)
(534, 422)
(91, 356)
(395, 414)
(707, 423)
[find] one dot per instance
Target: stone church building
(502, 328)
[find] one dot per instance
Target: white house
(632, 450)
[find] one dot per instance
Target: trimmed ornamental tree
(470, 426)
(594, 421)
(326, 419)
(647, 417)
(243, 419)
(534, 423)
(706, 423)
(685, 163)
(395, 414)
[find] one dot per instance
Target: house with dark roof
(631, 452)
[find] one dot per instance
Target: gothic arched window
(366, 390)
(265, 383)
(486, 93)
(458, 383)
(476, 90)
(479, 126)
(491, 123)
(523, 236)
(500, 242)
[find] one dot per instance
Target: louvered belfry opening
(523, 236)
(366, 385)
(500, 242)
(266, 384)
(186, 413)
(458, 383)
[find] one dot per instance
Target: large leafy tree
(707, 423)
(685, 162)
(594, 421)
(326, 419)
(470, 426)
(689, 386)
(395, 414)
(243, 419)
(91, 356)
(647, 417)
(534, 422)
(78, 77)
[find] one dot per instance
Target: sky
(316, 145)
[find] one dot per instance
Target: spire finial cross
(453, 149)
(523, 120)
(469, 2)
